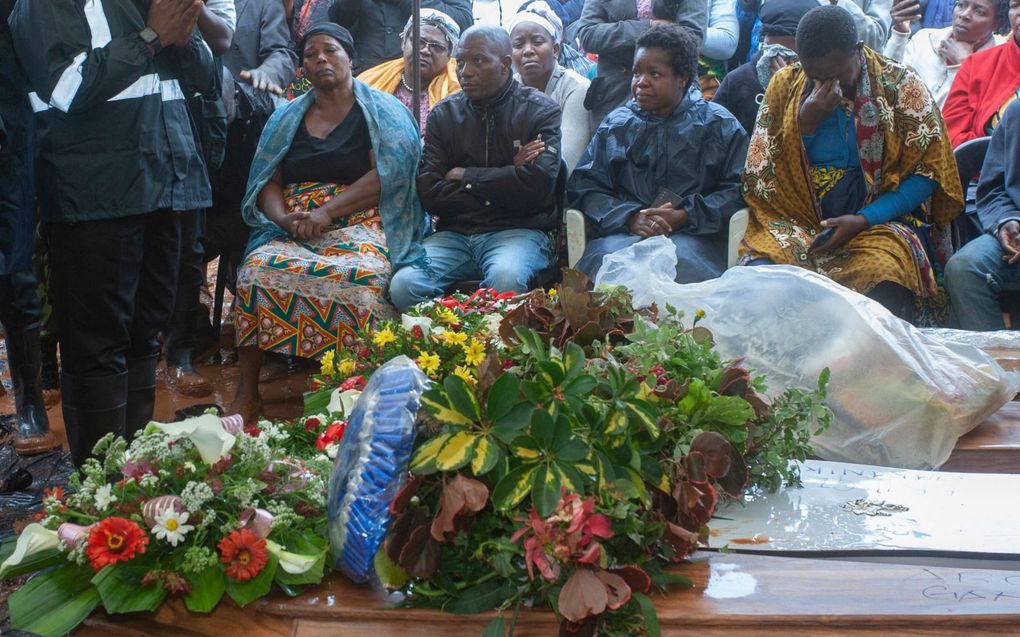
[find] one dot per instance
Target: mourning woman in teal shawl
(332, 202)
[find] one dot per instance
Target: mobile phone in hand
(666, 196)
(822, 238)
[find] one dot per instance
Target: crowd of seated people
(129, 129)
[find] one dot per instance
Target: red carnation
(115, 540)
(312, 423)
(244, 553)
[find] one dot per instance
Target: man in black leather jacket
(488, 171)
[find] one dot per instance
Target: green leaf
(206, 590)
(479, 598)
(495, 628)
(317, 402)
(502, 397)
(510, 424)
(616, 423)
(581, 386)
(486, 456)
(424, 459)
(643, 415)
(526, 448)
(648, 611)
(545, 490)
(543, 428)
(436, 401)
(570, 477)
(462, 397)
(671, 579)
(54, 602)
(571, 450)
(573, 359)
(457, 451)
(244, 593)
(513, 487)
(389, 572)
(120, 588)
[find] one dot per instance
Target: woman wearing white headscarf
(536, 35)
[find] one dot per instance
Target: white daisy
(170, 525)
(105, 497)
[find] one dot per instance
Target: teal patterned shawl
(397, 148)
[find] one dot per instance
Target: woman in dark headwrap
(334, 210)
(742, 89)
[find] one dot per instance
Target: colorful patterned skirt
(305, 298)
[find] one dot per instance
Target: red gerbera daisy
(244, 553)
(115, 540)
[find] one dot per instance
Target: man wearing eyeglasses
(377, 24)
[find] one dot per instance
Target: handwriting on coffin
(961, 586)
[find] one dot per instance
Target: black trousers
(19, 303)
(182, 333)
(114, 282)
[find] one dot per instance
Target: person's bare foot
(249, 407)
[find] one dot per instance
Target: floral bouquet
(193, 509)
(451, 335)
(588, 454)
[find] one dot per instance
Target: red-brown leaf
(616, 587)
(716, 451)
(582, 596)
(636, 577)
(461, 496)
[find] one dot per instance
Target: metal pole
(416, 51)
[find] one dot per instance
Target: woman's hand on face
(903, 13)
(847, 227)
(528, 153)
(954, 51)
(816, 106)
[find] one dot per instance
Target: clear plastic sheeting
(1000, 340)
(371, 465)
(901, 398)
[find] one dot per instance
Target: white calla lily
(343, 402)
(207, 433)
(36, 538)
(292, 563)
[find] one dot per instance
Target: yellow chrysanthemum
(429, 363)
(699, 314)
(474, 352)
(454, 338)
(326, 367)
(347, 367)
(446, 315)
(383, 337)
(464, 373)
(553, 292)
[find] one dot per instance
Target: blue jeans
(974, 278)
(506, 260)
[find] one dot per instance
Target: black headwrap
(333, 30)
(780, 17)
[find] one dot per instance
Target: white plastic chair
(577, 237)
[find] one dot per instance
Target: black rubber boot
(93, 407)
(141, 393)
(33, 428)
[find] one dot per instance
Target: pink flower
(259, 521)
(567, 536)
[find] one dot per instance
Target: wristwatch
(151, 39)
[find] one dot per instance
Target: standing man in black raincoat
(117, 163)
(20, 308)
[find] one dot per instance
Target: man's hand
(455, 174)
(173, 20)
(1009, 239)
(650, 223)
(903, 13)
(847, 227)
(528, 153)
(954, 51)
(260, 81)
(816, 106)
